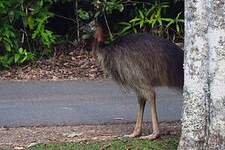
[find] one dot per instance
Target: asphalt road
(77, 102)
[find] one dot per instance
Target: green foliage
(19, 57)
(24, 36)
(102, 9)
(150, 17)
(45, 36)
(153, 18)
(22, 56)
(107, 6)
(22, 27)
(84, 15)
(6, 61)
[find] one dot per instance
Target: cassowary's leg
(138, 126)
(155, 125)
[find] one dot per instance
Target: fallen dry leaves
(72, 64)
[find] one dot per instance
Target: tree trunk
(203, 123)
(216, 36)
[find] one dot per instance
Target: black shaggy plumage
(142, 61)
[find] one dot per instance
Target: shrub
(152, 18)
(23, 34)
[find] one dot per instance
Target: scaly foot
(152, 136)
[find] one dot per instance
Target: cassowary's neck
(99, 38)
(99, 34)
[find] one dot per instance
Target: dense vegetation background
(29, 29)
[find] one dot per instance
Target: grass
(118, 144)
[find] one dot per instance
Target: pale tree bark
(216, 36)
(203, 123)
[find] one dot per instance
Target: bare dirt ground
(23, 137)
